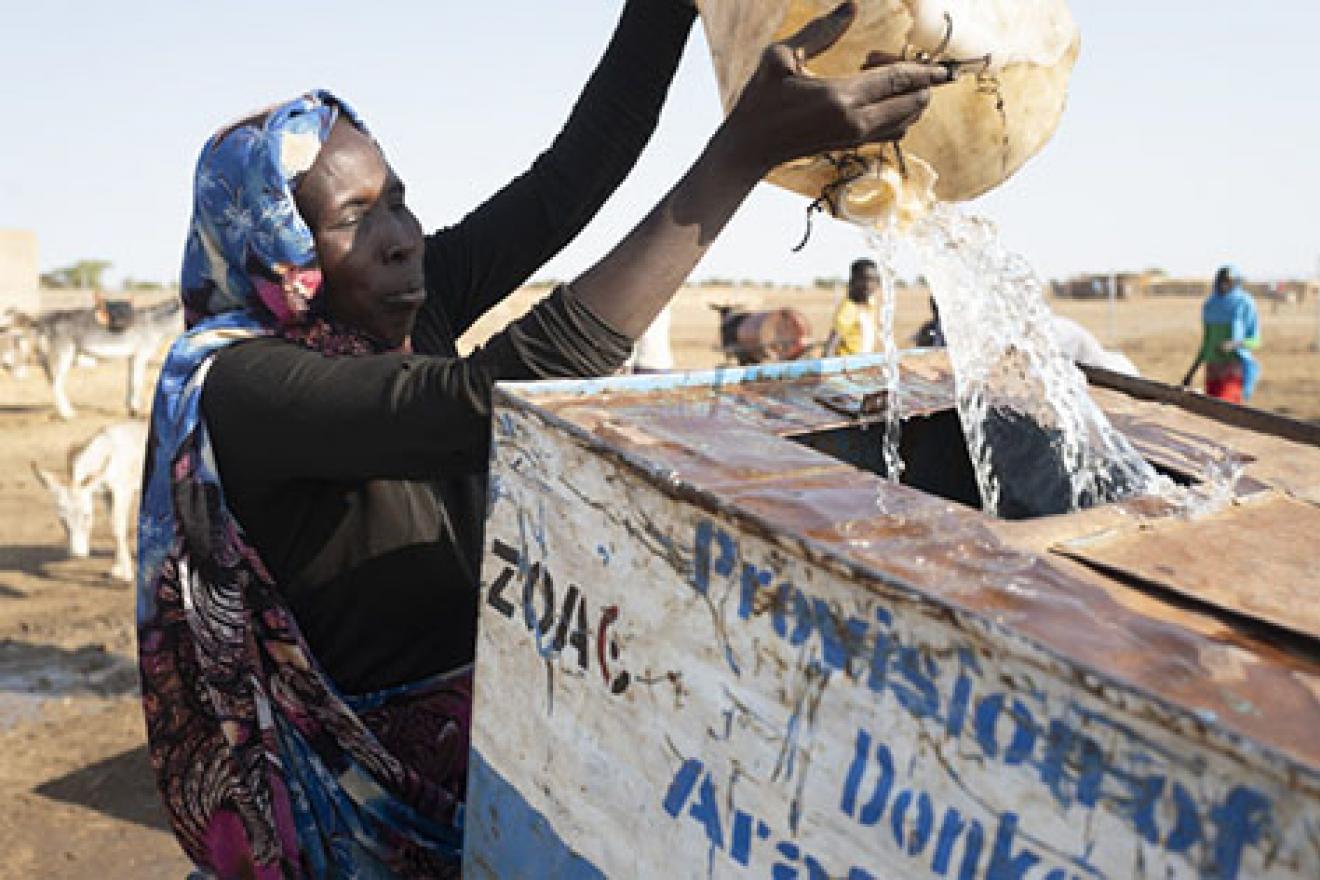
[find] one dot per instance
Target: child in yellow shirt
(854, 327)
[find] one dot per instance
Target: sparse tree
(135, 284)
(84, 274)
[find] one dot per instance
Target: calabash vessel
(1013, 59)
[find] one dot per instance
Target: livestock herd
(109, 463)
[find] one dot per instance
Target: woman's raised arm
(473, 265)
(784, 113)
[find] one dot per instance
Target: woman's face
(369, 244)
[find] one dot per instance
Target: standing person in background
(1230, 333)
(931, 333)
(853, 330)
(310, 539)
(653, 352)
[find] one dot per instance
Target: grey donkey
(62, 337)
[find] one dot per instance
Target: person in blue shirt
(1230, 333)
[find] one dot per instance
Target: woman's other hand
(785, 113)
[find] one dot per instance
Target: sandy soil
(1159, 335)
(74, 781)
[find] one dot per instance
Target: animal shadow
(120, 787)
(53, 563)
(30, 559)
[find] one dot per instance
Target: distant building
(18, 272)
(1129, 285)
(1285, 291)
(1194, 287)
(1124, 285)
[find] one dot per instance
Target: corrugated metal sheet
(1259, 558)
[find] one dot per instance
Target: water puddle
(34, 675)
(886, 252)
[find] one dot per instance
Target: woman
(306, 631)
(1230, 332)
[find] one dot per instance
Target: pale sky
(1192, 135)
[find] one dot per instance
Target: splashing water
(1038, 443)
(1216, 492)
(885, 247)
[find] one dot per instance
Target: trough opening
(1033, 481)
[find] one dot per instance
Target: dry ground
(74, 783)
(1159, 335)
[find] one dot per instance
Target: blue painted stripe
(507, 838)
(716, 378)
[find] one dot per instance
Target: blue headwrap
(1236, 310)
(247, 247)
(267, 771)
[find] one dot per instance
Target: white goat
(111, 464)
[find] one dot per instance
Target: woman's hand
(783, 113)
(786, 113)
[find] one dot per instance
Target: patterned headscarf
(266, 770)
(247, 247)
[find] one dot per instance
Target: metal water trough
(715, 642)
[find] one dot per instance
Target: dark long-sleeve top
(362, 481)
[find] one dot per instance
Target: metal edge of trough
(522, 395)
(1232, 414)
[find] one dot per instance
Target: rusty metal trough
(714, 641)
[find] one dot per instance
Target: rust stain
(1258, 559)
(1179, 450)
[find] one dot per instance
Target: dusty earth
(76, 789)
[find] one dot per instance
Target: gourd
(1013, 59)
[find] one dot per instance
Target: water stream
(1037, 441)
(885, 247)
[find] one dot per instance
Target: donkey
(15, 342)
(61, 337)
(111, 464)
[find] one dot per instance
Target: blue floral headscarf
(266, 770)
(248, 248)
